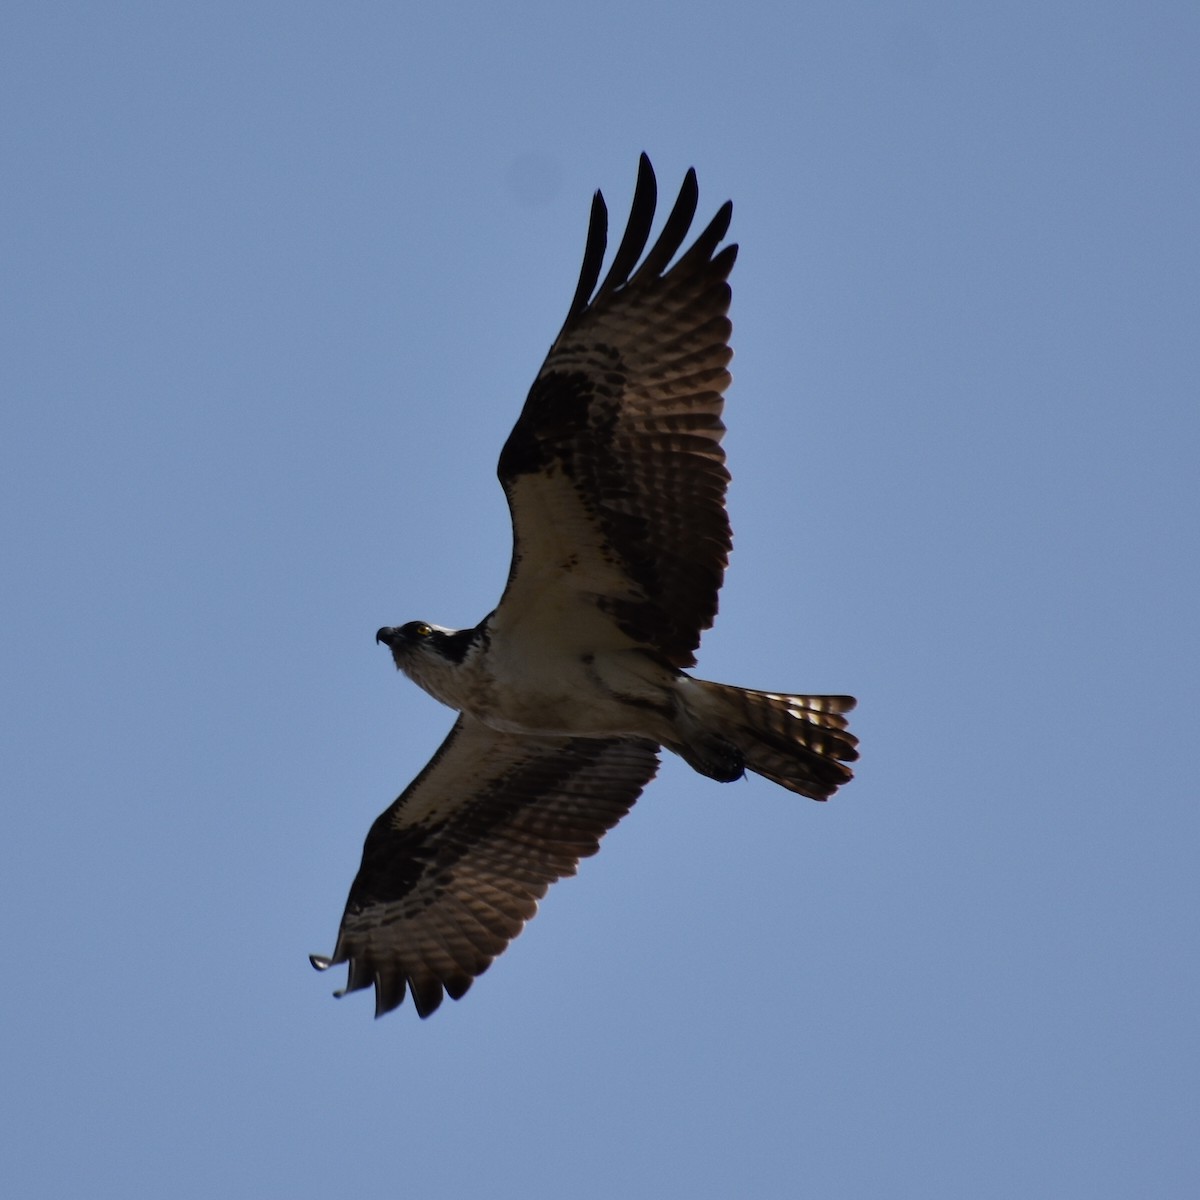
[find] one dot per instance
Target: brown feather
(618, 449)
(453, 870)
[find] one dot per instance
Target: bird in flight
(567, 690)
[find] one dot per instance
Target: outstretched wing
(455, 867)
(614, 472)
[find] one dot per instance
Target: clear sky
(275, 280)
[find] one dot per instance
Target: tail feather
(798, 742)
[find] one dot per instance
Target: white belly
(612, 692)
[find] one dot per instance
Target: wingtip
(645, 171)
(593, 257)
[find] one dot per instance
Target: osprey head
(418, 643)
(405, 641)
(433, 657)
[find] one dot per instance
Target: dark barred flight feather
(627, 406)
(459, 862)
(615, 480)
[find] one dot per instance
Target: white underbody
(559, 689)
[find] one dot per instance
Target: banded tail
(798, 742)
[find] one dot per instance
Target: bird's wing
(455, 867)
(614, 472)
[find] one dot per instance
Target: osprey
(615, 480)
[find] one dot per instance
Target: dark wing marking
(455, 867)
(614, 472)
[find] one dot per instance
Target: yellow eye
(420, 629)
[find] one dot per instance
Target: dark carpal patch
(398, 857)
(565, 414)
(555, 412)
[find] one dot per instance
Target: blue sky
(276, 279)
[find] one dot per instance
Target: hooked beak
(388, 635)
